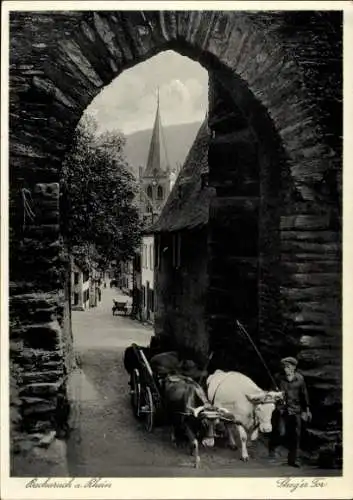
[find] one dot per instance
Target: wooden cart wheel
(148, 410)
(135, 392)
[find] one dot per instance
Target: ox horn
(224, 410)
(196, 411)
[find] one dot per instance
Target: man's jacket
(295, 393)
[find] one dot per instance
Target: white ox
(248, 406)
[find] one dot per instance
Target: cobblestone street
(107, 441)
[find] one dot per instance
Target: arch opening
(240, 112)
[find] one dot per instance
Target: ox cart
(146, 386)
(145, 392)
(166, 387)
(161, 397)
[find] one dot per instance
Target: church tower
(157, 178)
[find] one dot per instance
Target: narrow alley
(107, 441)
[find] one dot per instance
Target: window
(176, 250)
(151, 263)
(150, 299)
(76, 275)
(148, 296)
(149, 192)
(160, 193)
(138, 263)
(145, 256)
(75, 299)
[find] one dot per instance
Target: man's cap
(289, 361)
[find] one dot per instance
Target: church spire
(155, 160)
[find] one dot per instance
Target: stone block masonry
(39, 347)
(289, 292)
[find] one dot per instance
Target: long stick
(206, 366)
(257, 351)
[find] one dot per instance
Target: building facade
(126, 278)
(80, 287)
(181, 254)
(147, 277)
(86, 286)
(95, 287)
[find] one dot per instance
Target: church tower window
(160, 193)
(149, 191)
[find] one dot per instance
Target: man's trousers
(286, 427)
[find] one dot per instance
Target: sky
(129, 102)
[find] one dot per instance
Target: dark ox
(190, 413)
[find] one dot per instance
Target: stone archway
(60, 61)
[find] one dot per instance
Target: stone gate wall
(290, 63)
(40, 333)
(288, 246)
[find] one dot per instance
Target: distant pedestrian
(288, 417)
(99, 294)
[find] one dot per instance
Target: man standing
(288, 418)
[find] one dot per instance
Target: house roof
(157, 160)
(187, 206)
